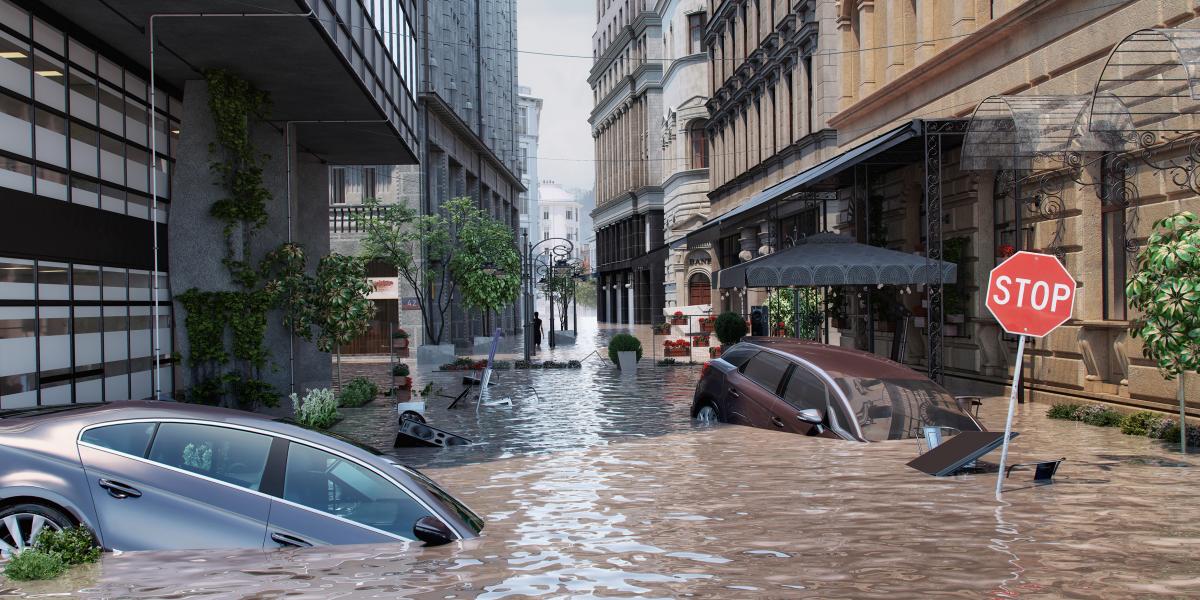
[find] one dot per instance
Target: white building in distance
(529, 116)
(560, 215)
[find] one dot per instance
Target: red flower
(679, 313)
(1006, 250)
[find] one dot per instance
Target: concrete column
(608, 304)
(199, 240)
(620, 289)
(633, 286)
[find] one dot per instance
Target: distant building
(560, 216)
(529, 116)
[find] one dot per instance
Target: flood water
(600, 487)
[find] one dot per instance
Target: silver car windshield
(896, 409)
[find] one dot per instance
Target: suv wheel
(707, 414)
(20, 524)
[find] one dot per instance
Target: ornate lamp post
(555, 249)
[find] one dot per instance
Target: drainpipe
(154, 158)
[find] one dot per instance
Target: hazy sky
(564, 27)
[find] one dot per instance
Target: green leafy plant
(74, 545)
(358, 393)
(1137, 423)
(623, 342)
(33, 564)
(781, 309)
(400, 370)
(730, 328)
(1065, 411)
(318, 409)
(480, 241)
(341, 310)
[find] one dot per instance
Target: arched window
(699, 141)
(699, 289)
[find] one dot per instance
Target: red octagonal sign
(1031, 294)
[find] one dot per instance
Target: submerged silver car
(159, 475)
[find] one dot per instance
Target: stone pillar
(619, 290)
(633, 286)
(866, 39)
(199, 240)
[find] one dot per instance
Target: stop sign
(1031, 294)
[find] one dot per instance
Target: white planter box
(564, 338)
(435, 355)
(627, 361)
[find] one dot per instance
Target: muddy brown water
(600, 487)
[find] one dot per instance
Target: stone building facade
(626, 81)
(529, 119)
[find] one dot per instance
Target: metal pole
(575, 305)
(550, 296)
(1020, 244)
(1012, 407)
(1182, 415)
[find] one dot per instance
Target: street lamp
(555, 249)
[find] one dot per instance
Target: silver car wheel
(707, 414)
(17, 532)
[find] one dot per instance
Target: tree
(1166, 290)
(437, 254)
(561, 288)
(730, 328)
(340, 308)
(482, 241)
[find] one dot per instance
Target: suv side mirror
(432, 531)
(811, 415)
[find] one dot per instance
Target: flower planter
(627, 360)
(677, 352)
(679, 320)
(707, 326)
(400, 343)
(699, 342)
(714, 352)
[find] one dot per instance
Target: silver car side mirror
(811, 415)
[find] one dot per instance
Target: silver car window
(336, 486)
(230, 455)
(128, 438)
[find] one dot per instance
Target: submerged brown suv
(817, 389)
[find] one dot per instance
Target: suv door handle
(776, 421)
(119, 490)
(284, 539)
(733, 392)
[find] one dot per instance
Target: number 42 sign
(1030, 294)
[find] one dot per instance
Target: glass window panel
(88, 332)
(52, 183)
(89, 388)
(140, 333)
(16, 174)
(229, 455)
(16, 279)
(85, 151)
(81, 55)
(766, 370)
(162, 140)
(54, 329)
(51, 138)
(54, 281)
(14, 17)
(49, 37)
(112, 107)
(115, 285)
(141, 384)
(85, 192)
(86, 281)
(14, 64)
(336, 486)
(136, 114)
(112, 199)
(129, 438)
(135, 86)
(112, 159)
(166, 379)
(139, 285)
(56, 392)
(18, 352)
(83, 95)
(176, 108)
(175, 131)
(137, 168)
(110, 72)
(48, 81)
(16, 118)
(137, 205)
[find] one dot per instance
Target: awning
(809, 177)
(828, 259)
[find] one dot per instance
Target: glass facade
(79, 333)
(75, 128)
(393, 24)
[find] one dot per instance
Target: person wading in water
(537, 330)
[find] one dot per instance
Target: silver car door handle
(284, 539)
(119, 490)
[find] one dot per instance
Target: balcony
(346, 218)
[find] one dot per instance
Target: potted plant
(700, 341)
(663, 328)
(676, 347)
(400, 339)
(400, 370)
(625, 351)
(1005, 251)
(730, 328)
(678, 318)
(707, 324)
(714, 352)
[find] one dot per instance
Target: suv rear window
(738, 355)
(766, 369)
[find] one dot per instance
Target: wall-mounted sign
(384, 288)
(409, 303)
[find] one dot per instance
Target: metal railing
(345, 218)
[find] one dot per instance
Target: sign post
(1030, 294)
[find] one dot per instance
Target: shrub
(1094, 414)
(574, 364)
(1065, 411)
(400, 370)
(730, 328)
(358, 393)
(317, 410)
(1163, 428)
(1137, 423)
(623, 342)
(400, 334)
(34, 564)
(74, 545)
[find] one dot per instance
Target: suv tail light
(705, 369)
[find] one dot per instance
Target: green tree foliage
(1166, 291)
(730, 328)
(781, 307)
(339, 304)
(439, 253)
